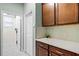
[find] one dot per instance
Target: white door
(28, 34)
(10, 41)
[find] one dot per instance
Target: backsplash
(40, 32)
(65, 32)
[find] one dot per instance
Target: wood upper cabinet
(66, 13)
(60, 14)
(48, 14)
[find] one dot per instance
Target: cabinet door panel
(42, 51)
(47, 14)
(67, 13)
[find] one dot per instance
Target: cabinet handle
(41, 45)
(50, 54)
(59, 52)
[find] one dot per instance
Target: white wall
(38, 15)
(13, 8)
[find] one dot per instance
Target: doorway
(29, 34)
(10, 42)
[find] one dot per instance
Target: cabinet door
(48, 14)
(42, 51)
(67, 13)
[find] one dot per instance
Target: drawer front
(61, 52)
(42, 45)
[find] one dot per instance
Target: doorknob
(16, 35)
(16, 42)
(16, 30)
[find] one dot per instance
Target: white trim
(1, 32)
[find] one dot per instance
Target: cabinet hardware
(59, 52)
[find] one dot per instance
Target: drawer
(42, 44)
(61, 52)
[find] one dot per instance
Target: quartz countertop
(64, 44)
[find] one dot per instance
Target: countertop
(64, 44)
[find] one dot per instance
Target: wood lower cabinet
(43, 49)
